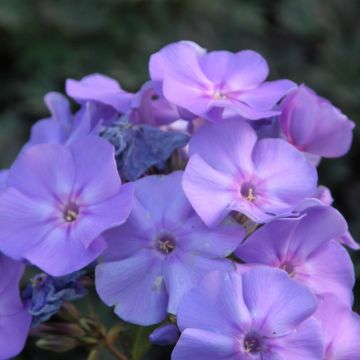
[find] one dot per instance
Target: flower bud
(167, 334)
(57, 343)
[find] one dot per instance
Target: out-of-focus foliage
(43, 42)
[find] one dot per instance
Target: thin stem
(115, 351)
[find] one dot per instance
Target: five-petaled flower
(231, 170)
(215, 84)
(59, 201)
(161, 251)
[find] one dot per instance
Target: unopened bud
(72, 330)
(57, 343)
(167, 334)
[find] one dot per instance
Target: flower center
(218, 95)
(289, 268)
(165, 243)
(248, 192)
(71, 212)
(252, 344)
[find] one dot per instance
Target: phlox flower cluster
(197, 201)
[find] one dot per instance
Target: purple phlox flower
(313, 125)
(104, 91)
(14, 319)
(150, 107)
(63, 127)
(313, 158)
(3, 179)
(44, 294)
(160, 252)
(306, 250)
(341, 328)
(183, 126)
(216, 83)
(59, 201)
(266, 128)
(57, 128)
(261, 314)
(158, 61)
(229, 169)
(195, 125)
(347, 240)
(323, 197)
(139, 147)
(167, 334)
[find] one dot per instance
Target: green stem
(118, 355)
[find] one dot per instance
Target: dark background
(43, 42)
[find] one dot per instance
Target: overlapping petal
(206, 84)
(99, 88)
(135, 286)
(14, 318)
(230, 170)
(314, 125)
(305, 247)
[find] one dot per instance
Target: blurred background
(43, 42)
